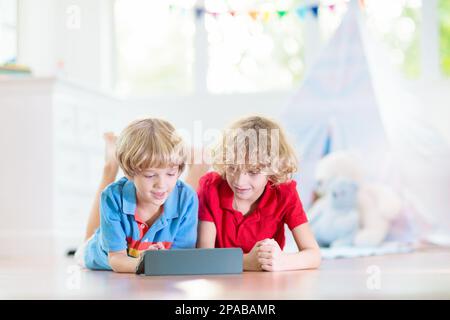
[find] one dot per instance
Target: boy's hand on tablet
(140, 264)
(140, 267)
(157, 246)
(270, 255)
(160, 246)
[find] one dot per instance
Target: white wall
(36, 36)
(68, 38)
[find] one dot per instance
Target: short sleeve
(204, 210)
(113, 235)
(187, 233)
(295, 214)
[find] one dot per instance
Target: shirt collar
(129, 200)
(129, 197)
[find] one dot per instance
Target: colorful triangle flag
(301, 12)
(266, 16)
(199, 12)
(282, 13)
(253, 14)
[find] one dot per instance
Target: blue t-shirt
(119, 230)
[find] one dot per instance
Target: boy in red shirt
(250, 197)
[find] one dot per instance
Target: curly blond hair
(149, 143)
(255, 143)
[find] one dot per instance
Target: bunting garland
(265, 15)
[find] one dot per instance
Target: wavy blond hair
(255, 143)
(149, 143)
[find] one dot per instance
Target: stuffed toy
(348, 211)
(334, 218)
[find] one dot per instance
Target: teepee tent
(352, 100)
(336, 107)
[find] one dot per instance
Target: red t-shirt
(276, 206)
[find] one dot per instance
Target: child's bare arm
(309, 256)
(121, 262)
(272, 258)
(206, 234)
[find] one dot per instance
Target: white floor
(424, 274)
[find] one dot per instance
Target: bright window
(253, 46)
(398, 24)
(8, 31)
(154, 46)
(444, 28)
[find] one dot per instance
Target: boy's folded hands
(270, 255)
(265, 255)
(251, 262)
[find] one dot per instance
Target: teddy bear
(348, 210)
(334, 218)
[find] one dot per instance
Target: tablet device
(191, 262)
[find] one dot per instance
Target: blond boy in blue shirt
(149, 208)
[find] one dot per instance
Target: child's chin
(245, 196)
(159, 202)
